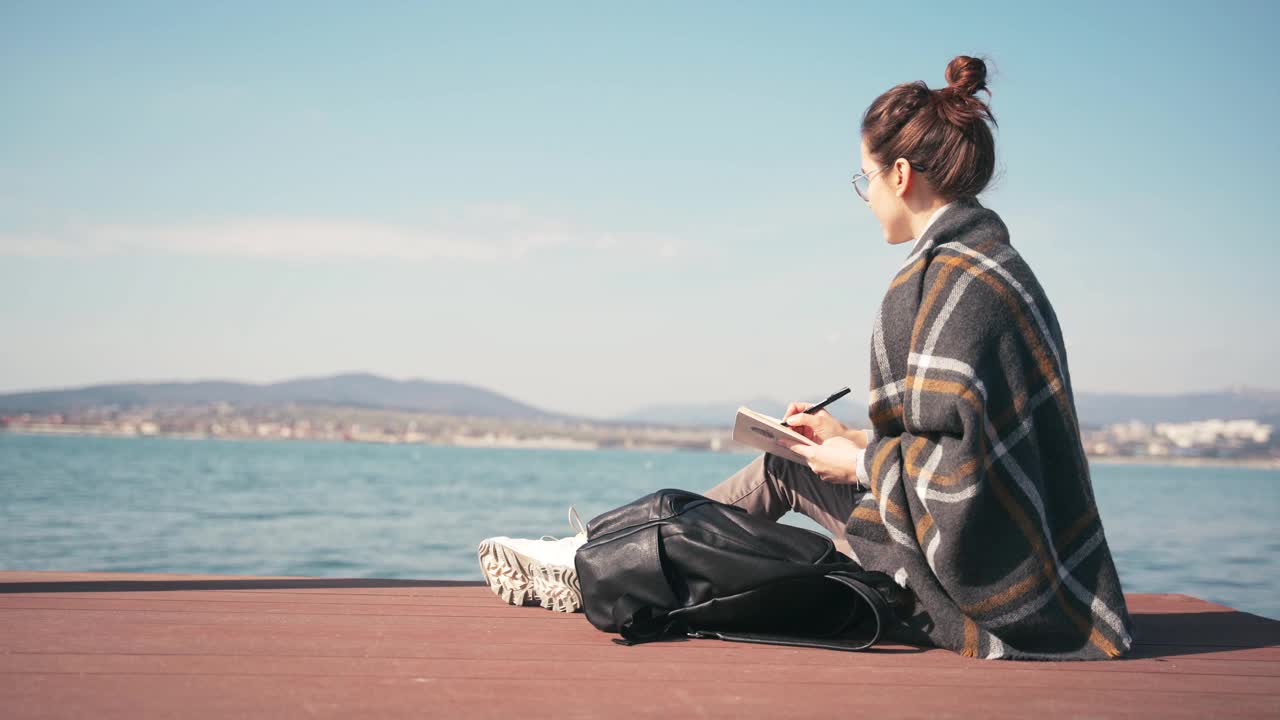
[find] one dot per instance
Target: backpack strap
(639, 622)
(882, 617)
(882, 613)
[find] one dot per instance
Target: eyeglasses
(862, 181)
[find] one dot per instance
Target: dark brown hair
(943, 133)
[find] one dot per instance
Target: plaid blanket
(980, 500)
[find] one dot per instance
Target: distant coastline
(644, 439)
(1251, 463)
(1234, 427)
(545, 443)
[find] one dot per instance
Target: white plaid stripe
(1000, 446)
(884, 392)
(1026, 297)
(949, 497)
(933, 549)
(1100, 609)
(892, 389)
(890, 480)
(920, 360)
(996, 645)
(942, 363)
(935, 458)
(1043, 598)
(919, 250)
(877, 344)
(922, 491)
(957, 291)
(926, 474)
(944, 314)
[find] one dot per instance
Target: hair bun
(967, 75)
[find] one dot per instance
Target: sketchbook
(768, 434)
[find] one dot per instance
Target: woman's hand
(818, 427)
(835, 460)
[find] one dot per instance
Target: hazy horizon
(857, 396)
(591, 210)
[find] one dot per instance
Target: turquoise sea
(414, 511)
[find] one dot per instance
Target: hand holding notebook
(767, 433)
(772, 435)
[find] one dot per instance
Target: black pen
(834, 397)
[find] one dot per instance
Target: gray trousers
(769, 486)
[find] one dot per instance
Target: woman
(972, 488)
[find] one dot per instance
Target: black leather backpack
(677, 563)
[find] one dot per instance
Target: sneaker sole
(556, 587)
(507, 572)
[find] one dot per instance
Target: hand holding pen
(810, 421)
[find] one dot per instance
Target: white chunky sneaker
(521, 570)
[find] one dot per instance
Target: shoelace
(575, 522)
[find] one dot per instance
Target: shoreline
(1247, 463)
(463, 442)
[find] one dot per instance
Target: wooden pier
(81, 645)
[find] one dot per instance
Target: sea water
(156, 504)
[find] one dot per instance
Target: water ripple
(335, 509)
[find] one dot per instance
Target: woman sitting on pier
(972, 488)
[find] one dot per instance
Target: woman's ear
(903, 176)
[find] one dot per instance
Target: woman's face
(884, 195)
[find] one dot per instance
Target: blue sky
(593, 207)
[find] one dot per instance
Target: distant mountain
(374, 391)
(1238, 403)
(347, 390)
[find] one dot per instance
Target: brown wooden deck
(104, 645)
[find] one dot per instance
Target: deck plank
(77, 644)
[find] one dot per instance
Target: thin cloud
(487, 234)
